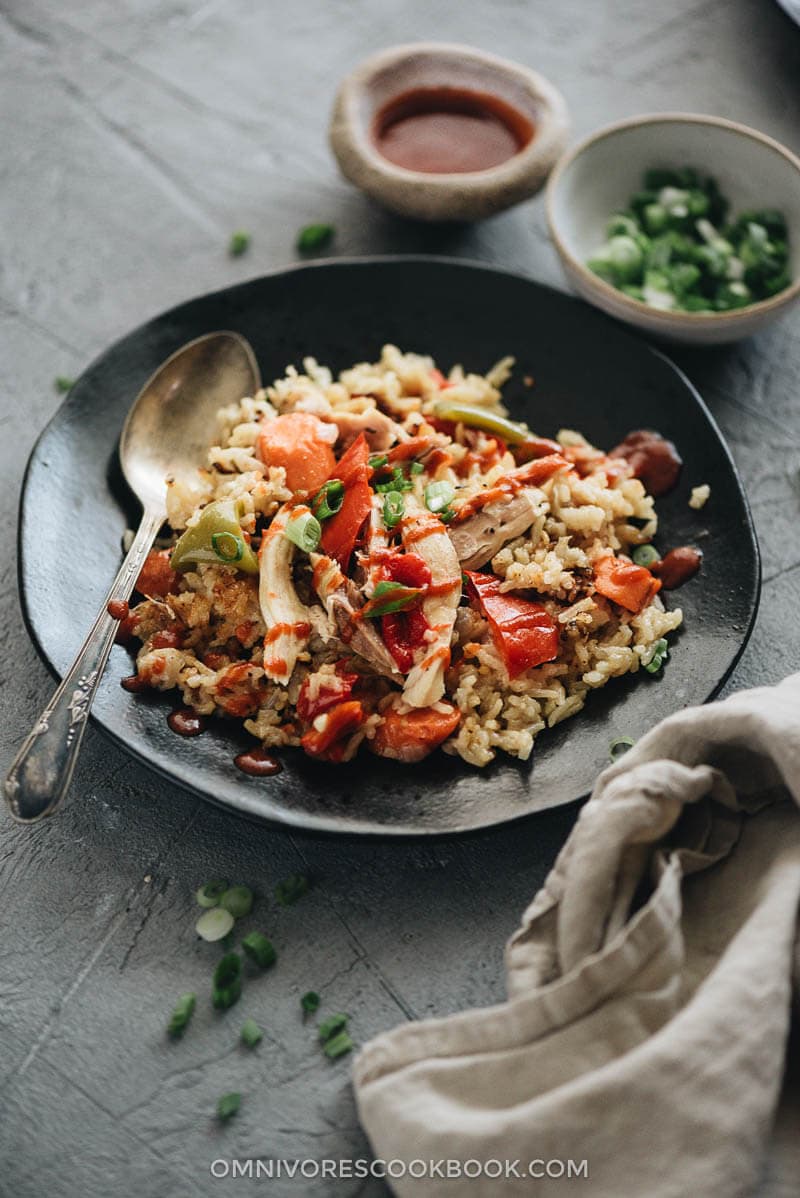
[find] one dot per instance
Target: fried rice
(507, 545)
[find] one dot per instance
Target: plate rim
(312, 823)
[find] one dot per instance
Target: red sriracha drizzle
(524, 632)
(404, 631)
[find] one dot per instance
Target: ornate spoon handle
(42, 770)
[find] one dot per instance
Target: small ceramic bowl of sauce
(445, 132)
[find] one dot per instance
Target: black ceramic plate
(589, 374)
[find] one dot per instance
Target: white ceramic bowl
(440, 197)
(598, 176)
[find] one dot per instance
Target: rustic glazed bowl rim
(637, 307)
(357, 81)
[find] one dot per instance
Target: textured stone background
(135, 137)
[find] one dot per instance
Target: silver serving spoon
(167, 432)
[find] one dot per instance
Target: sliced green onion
(417, 468)
(63, 384)
(620, 746)
(645, 555)
(328, 500)
(291, 889)
(238, 900)
(209, 894)
(314, 237)
(394, 508)
(389, 597)
(259, 949)
(332, 1025)
(398, 482)
(226, 987)
(227, 547)
(182, 1013)
(439, 496)
(304, 531)
(377, 460)
(475, 417)
(251, 1034)
(447, 514)
(660, 655)
(214, 924)
(310, 1002)
(228, 1105)
(238, 243)
(337, 1046)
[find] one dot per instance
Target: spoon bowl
(166, 432)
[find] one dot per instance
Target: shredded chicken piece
(483, 535)
(424, 534)
(342, 600)
(289, 622)
(378, 428)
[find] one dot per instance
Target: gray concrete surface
(135, 137)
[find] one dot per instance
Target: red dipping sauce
(450, 130)
(654, 460)
(186, 722)
(257, 763)
(677, 567)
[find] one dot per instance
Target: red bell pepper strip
(408, 568)
(340, 722)
(631, 586)
(524, 632)
(340, 532)
(402, 633)
(333, 689)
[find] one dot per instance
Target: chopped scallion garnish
(398, 482)
(228, 548)
(310, 1002)
(304, 531)
(389, 597)
(620, 746)
(378, 460)
(416, 468)
(332, 1025)
(226, 987)
(291, 889)
(238, 243)
(238, 900)
(210, 894)
(328, 500)
(659, 656)
(259, 949)
(182, 1013)
(214, 924)
(394, 507)
(439, 496)
(645, 555)
(228, 1105)
(338, 1045)
(314, 237)
(251, 1034)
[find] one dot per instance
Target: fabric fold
(649, 984)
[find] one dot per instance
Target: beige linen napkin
(650, 986)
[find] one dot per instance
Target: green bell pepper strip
(490, 422)
(216, 539)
